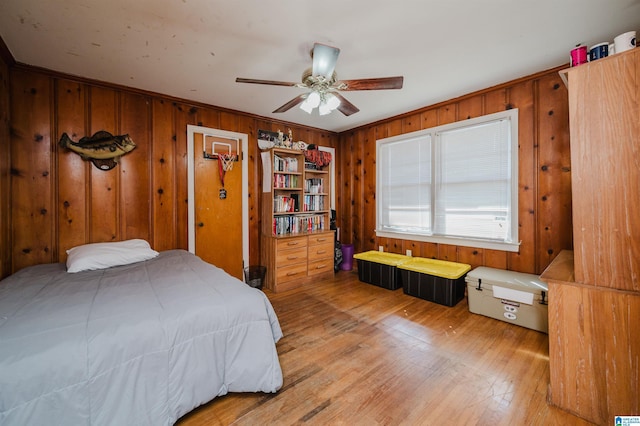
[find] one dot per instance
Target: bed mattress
(140, 344)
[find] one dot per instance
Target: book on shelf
(286, 203)
(285, 164)
(313, 203)
(298, 224)
(314, 185)
(285, 181)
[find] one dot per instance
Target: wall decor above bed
(103, 149)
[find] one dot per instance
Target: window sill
(465, 242)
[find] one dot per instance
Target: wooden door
(218, 208)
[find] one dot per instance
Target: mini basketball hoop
(224, 151)
(227, 161)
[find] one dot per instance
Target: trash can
(347, 257)
(254, 275)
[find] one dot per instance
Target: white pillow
(89, 257)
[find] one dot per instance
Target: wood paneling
(164, 180)
(544, 173)
(368, 212)
(522, 96)
(146, 195)
(135, 168)
(184, 115)
(56, 200)
(71, 100)
(5, 188)
(104, 200)
(554, 166)
(32, 195)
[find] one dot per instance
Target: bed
(136, 344)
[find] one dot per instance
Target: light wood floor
(357, 354)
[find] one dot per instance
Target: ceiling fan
(323, 82)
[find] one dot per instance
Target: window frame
(514, 244)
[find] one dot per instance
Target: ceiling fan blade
(270, 82)
(324, 60)
(345, 107)
(293, 102)
(372, 83)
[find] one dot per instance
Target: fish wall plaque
(103, 149)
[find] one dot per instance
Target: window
(454, 184)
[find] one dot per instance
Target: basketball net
(225, 163)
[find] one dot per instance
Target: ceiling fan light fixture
(322, 82)
(332, 101)
(306, 107)
(329, 103)
(324, 109)
(311, 102)
(313, 99)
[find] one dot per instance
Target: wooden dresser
(594, 291)
(299, 259)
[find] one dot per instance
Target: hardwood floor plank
(356, 354)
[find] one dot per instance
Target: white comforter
(140, 344)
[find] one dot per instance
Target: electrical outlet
(409, 253)
(380, 248)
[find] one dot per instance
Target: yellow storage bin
(380, 268)
(438, 281)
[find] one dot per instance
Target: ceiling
(194, 49)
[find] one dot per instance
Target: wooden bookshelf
(297, 244)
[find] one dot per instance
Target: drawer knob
(293, 243)
(321, 251)
(321, 266)
(321, 240)
(292, 257)
(290, 274)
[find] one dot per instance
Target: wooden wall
(544, 174)
(60, 201)
(5, 200)
(53, 200)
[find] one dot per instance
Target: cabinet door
(604, 101)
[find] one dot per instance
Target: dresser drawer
(321, 251)
(292, 272)
(291, 243)
(291, 256)
(321, 239)
(320, 266)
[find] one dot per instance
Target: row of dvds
(298, 224)
(313, 203)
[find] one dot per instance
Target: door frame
(243, 138)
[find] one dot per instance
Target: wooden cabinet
(594, 291)
(604, 123)
(297, 245)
